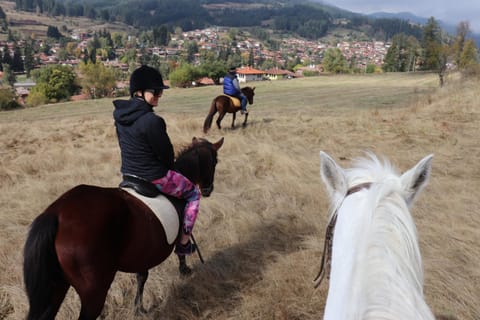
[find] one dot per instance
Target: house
(246, 74)
(276, 73)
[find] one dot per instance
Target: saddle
(166, 208)
(140, 185)
(235, 100)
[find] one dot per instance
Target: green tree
(464, 50)
(214, 70)
(6, 58)
(402, 54)
(9, 77)
(54, 82)
(17, 62)
(434, 50)
(161, 35)
(97, 80)
(334, 61)
(52, 32)
(29, 60)
(184, 75)
(469, 55)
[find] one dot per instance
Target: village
(359, 54)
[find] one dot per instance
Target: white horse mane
(376, 270)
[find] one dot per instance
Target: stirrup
(185, 249)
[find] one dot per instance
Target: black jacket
(145, 146)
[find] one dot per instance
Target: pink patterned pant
(175, 184)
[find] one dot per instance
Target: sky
(449, 11)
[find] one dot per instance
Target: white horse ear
(333, 177)
(416, 178)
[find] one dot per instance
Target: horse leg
(93, 292)
(245, 121)
(184, 269)
(141, 279)
(233, 119)
(219, 119)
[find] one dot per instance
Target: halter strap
(328, 243)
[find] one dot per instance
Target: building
(246, 74)
(276, 74)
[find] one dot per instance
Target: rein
(328, 243)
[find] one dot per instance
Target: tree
(402, 54)
(97, 80)
(469, 55)
(432, 45)
(17, 61)
(465, 51)
(55, 83)
(334, 61)
(6, 58)
(434, 51)
(214, 70)
(161, 35)
(183, 75)
(8, 75)
(29, 60)
(52, 32)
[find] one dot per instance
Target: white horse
(376, 267)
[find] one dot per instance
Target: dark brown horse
(88, 234)
(223, 104)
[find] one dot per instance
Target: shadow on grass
(216, 286)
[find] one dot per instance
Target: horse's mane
(187, 149)
(388, 268)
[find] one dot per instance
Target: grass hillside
(36, 25)
(261, 231)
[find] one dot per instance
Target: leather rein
(328, 243)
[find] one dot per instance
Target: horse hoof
(185, 270)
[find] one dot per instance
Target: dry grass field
(261, 231)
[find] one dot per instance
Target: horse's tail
(208, 120)
(41, 269)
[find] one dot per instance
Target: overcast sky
(450, 11)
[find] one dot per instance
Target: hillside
(261, 231)
(307, 19)
(33, 24)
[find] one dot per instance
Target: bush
(370, 68)
(472, 71)
(7, 100)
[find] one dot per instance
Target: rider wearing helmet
(231, 87)
(146, 149)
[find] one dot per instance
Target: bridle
(328, 243)
(208, 189)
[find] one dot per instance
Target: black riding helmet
(144, 78)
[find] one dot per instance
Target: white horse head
(376, 267)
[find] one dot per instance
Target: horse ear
(218, 144)
(333, 177)
(253, 89)
(415, 179)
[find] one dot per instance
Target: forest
(303, 18)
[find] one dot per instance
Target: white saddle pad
(165, 212)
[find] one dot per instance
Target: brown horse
(88, 234)
(223, 104)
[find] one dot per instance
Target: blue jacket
(228, 86)
(146, 149)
